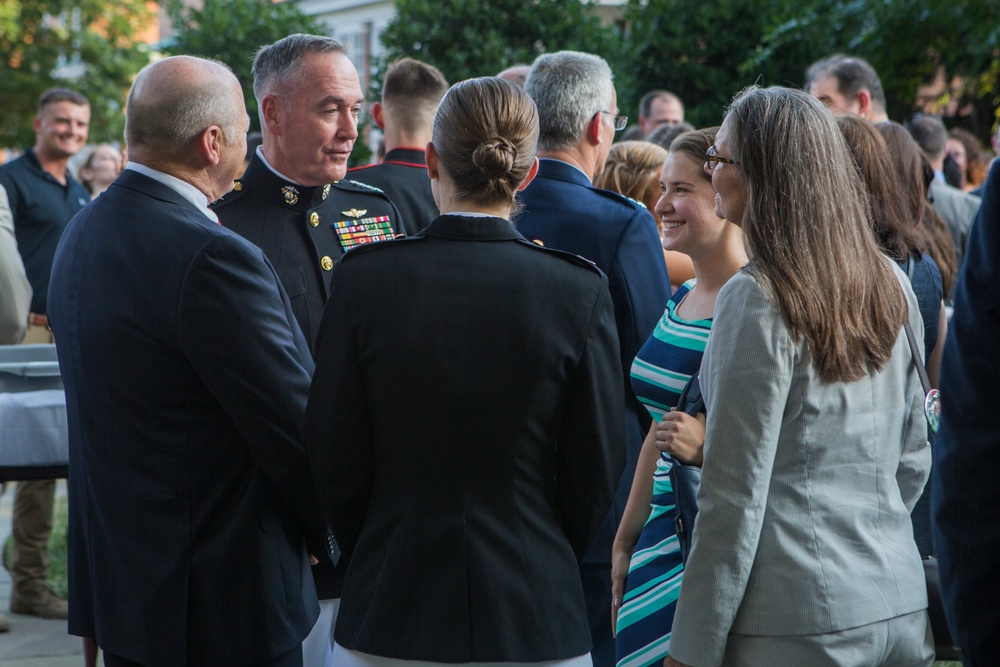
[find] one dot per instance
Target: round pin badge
(932, 408)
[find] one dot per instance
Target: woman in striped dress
(646, 559)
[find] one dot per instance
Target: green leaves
(232, 31)
(707, 52)
(467, 39)
(88, 45)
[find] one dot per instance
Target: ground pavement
(32, 641)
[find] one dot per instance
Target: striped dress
(660, 370)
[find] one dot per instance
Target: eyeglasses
(620, 121)
(712, 158)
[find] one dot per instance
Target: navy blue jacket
(186, 384)
(966, 494)
(564, 211)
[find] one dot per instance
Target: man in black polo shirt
(411, 93)
(43, 198)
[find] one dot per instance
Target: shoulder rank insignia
(365, 186)
(291, 194)
(358, 231)
(355, 213)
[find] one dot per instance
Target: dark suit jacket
(186, 382)
(465, 431)
(564, 211)
(402, 176)
(966, 496)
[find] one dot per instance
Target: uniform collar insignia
(291, 194)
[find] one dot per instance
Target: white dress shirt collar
(183, 188)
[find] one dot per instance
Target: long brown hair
(914, 175)
(807, 229)
(890, 218)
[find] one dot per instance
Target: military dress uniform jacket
(464, 430)
(305, 230)
(402, 176)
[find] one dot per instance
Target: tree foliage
(468, 39)
(232, 31)
(707, 53)
(89, 45)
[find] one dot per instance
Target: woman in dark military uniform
(466, 418)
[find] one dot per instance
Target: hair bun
(495, 158)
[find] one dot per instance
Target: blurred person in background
(658, 108)
(43, 196)
(100, 168)
(914, 175)
(900, 239)
(968, 151)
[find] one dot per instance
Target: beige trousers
(31, 524)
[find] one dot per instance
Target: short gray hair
(568, 88)
(163, 116)
(281, 63)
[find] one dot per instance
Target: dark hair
(890, 221)
(485, 134)
(646, 103)
(416, 88)
(930, 134)
(852, 74)
(975, 168)
(914, 175)
(665, 134)
(53, 95)
(807, 232)
(953, 174)
(695, 144)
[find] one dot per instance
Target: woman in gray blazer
(815, 448)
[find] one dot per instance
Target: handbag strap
(915, 353)
(912, 339)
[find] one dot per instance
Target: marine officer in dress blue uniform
(293, 200)
(294, 203)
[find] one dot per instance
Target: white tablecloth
(33, 428)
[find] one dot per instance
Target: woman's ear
(530, 177)
(432, 160)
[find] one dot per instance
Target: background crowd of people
(425, 410)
